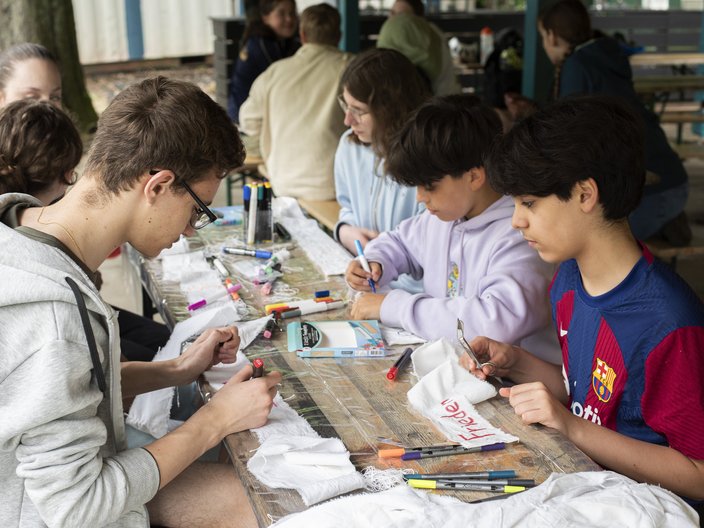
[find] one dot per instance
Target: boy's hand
(349, 233)
(367, 306)
(213, 346)
(502, 356)
(357, 278)
(534, 404)
(245, 403)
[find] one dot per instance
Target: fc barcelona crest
(603, 380)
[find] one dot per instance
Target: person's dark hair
(445, 136)
(166, 124)
(255, 26)
(572, 140)
(20, 53)
(568, 19)
(39, 145)
(387, 82)
(417, 6)
(320, 24)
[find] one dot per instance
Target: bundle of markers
(502, 481)
(321, 303)
(258, 217)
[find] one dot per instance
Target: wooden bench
(688, 150)
(326, 212)
(682, 117)
(664, 251)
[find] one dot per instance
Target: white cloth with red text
(446, 394)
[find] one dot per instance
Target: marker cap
(391, 453)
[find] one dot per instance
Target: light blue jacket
(367, 197)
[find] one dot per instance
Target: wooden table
(667, 59)
(351, 399)
(668, 83)
(327, 212)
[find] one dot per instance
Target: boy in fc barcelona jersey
(631, 390)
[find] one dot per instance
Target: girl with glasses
(380, 88)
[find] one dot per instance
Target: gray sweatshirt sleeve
(51, 421)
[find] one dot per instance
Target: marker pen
(459, 450)
(208, 300)
(222, 270)
(365, 263)
(253, 209)
(269, 329)
(257, 368)
(400, 363)
(489, 475)
(399, 451)
(450, 485)
(321, 307)
(259, 253)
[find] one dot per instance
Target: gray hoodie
(63, 456)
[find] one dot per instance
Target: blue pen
(365, 263)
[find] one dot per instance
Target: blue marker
(365, 263)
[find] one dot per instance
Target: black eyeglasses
(203, 215)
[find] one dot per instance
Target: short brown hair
(390, 85)
(39, 145)
(166, 124)
(320, 24)
(568, 19)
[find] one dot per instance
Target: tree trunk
(51, 23)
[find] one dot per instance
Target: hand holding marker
(365, 263)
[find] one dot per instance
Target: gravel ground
(102, 87)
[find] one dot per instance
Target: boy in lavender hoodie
(474, 265)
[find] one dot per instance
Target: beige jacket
(292, 107)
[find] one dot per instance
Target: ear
(476, 177)
(586, 192)
(157, 184)
(302, 36)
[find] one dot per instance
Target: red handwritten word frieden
(463, 420)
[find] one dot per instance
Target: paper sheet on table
(446, 392)
(150, 412)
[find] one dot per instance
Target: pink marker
(207, 300)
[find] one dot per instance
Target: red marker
(400, 363)
(258, 368)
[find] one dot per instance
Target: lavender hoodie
(502, 286)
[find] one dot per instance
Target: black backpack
(503, 70)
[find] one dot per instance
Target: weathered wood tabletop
(352, 399)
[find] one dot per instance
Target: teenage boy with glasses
(64, 460)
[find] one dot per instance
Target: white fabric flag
(446, 392)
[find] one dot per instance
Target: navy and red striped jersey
(634, 356)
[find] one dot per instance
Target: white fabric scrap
(150, 411)
(183, 265)
(318, 468)
(589, 499)
(218, 374)
(446, 392)
(399, 336)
